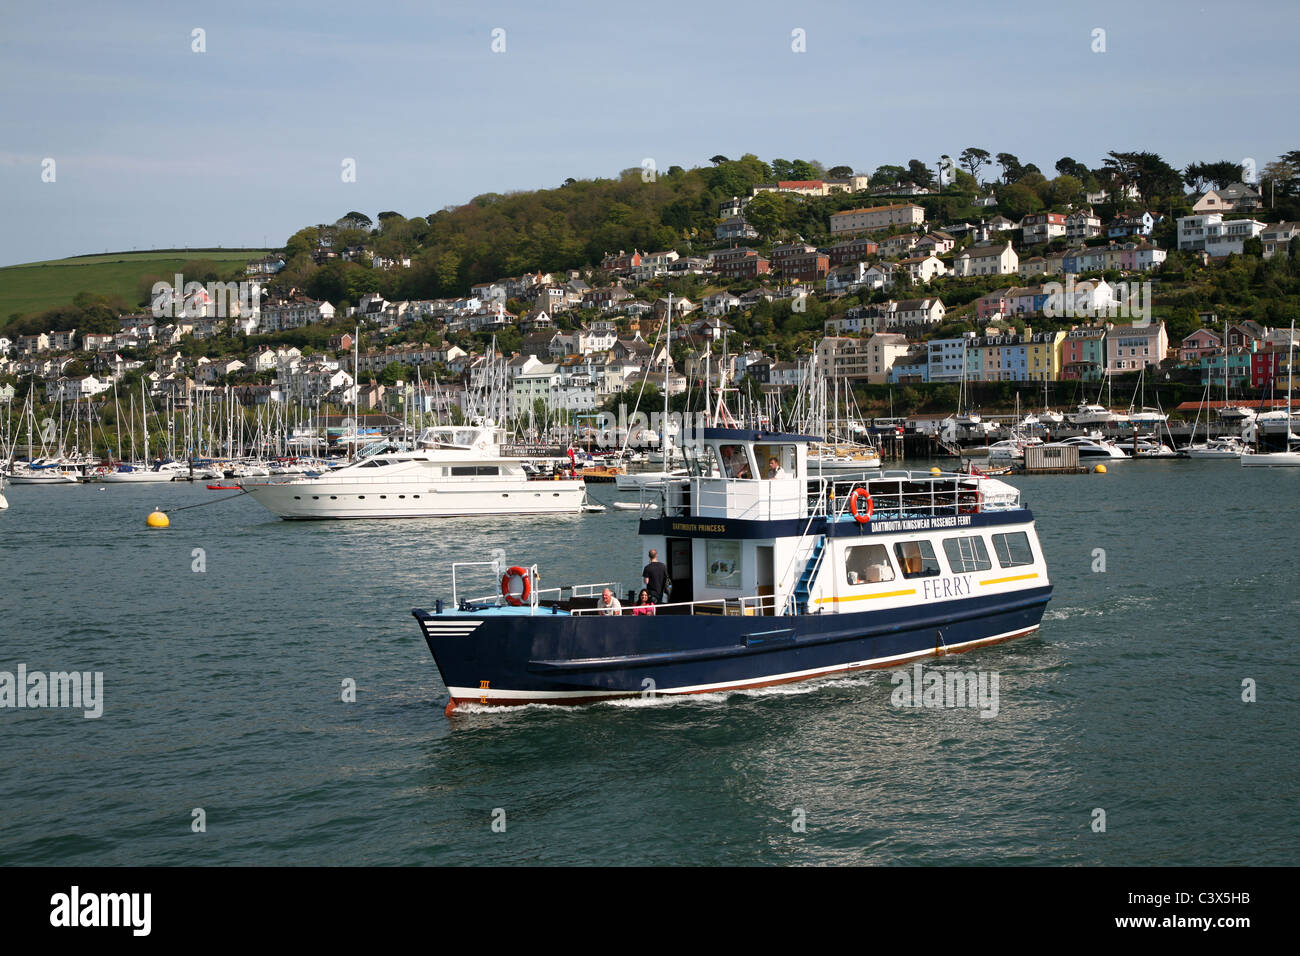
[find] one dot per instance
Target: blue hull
(500, 656)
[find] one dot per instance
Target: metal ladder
(803, 590)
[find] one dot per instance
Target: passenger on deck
(655, 577)
(644, 603)
(609, 605)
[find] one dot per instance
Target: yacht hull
(313, 500)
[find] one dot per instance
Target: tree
(1011, 168)
(302, 241)
(719, 160)
(1281, 177)
(920, 174)
(1018, 200)
(840, 172)
(1066, 190)
(886, 175)
(1147, 172)
(974, 159)
(354, 220)
(1069, 167)
(767, 213)
(801, 169)
(1200, 176)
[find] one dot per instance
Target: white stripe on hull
(468, 694)
(325, 502)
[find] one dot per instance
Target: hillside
(37, 286)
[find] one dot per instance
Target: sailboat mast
(668, 347)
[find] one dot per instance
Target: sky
(156, 144)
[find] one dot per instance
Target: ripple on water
(223, 691)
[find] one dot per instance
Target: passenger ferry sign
(920, 524)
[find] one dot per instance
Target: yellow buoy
(936, 471)
(157, 519)
(1100, 469)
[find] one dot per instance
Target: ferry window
(1013, 549)
(735, 461)
(917, 559)
(784, 456)
(705, 464)
(462, 471)
(868, 564)
(967, 554)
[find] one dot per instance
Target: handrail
(455, 600)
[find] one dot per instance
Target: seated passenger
(644, 603)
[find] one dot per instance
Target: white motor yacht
(1227, 447)
(456, 470)
(1091, 449)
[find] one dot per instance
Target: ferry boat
(773, 580)
(457, 470)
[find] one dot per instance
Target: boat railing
(902, 494)
(537, 596)
(742, 498)
(756, 605)
(578, 591)
(457, 568)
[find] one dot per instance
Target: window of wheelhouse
(1013, 549)
(735, 461)
(868, 564)
(701, 461)
(917, 559)
(776, 461)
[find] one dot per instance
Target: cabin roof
(744, 434)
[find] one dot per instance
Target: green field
(36, 286)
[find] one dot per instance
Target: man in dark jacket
(655, 576)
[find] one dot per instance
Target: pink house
(1200, 343)
(993, 304)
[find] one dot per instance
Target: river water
(224, 738)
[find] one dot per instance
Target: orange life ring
(859, 493)
(510, 596)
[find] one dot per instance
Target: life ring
(506, 592)
(854, 498)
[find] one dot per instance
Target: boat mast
(356, 366)
(668, 347)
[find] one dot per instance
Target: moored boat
(772, 580)
(458, 470)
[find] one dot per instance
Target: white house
(923, 268)
(1216, 237)
(997, 259)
